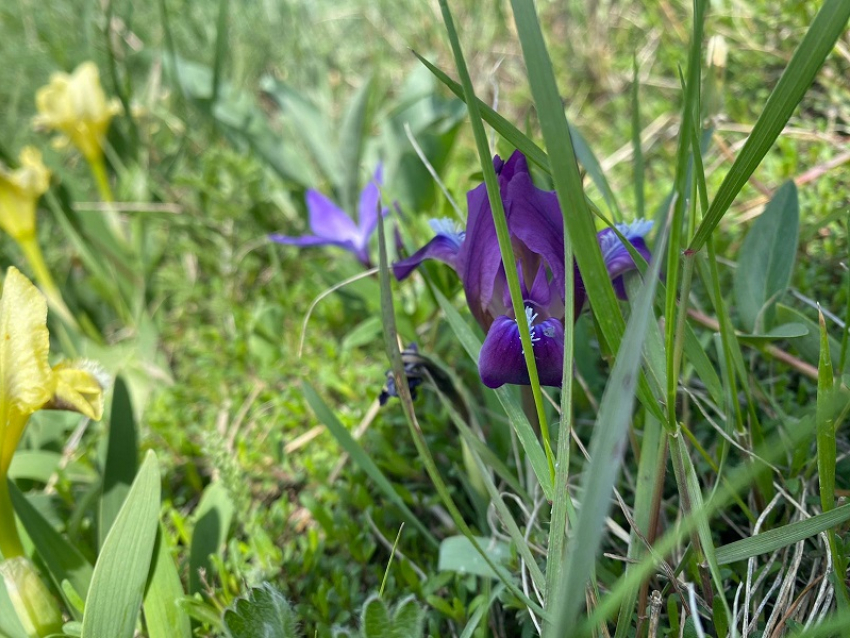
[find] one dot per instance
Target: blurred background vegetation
(238, 108)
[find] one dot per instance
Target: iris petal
(370, 198)
(442, 248)
(502, 360)
(329, 221)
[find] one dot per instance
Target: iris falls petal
(502, 359)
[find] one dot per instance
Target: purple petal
(442, 248)
(311, 240)
(370, 198)
(479, 260)
(502, 361)
(617, 259)
(327, 220)
(535, 219)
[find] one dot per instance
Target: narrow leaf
(121, 571)
(826, 28)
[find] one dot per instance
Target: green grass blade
(394, 355)
(738, 479)
(578, 219)
(121, 571)
(606, 451)
(827, 455)
(826, 28)
(513, 410)
(164, 617)
(780, 537)
(647, 478)
(501, 224)
(504, 127)
(121, 458)
(496, 498)
(359, 456)
(637, 144)
(221, 47)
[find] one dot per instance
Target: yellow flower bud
(36, 608)
(19, 193)
(76, 106)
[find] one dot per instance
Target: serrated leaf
(766, 260)
(264, 613)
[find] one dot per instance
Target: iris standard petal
(370, 198)
(502, 360)
(327, 220)
(537, 222)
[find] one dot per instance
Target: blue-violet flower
(536, 229)
(332, 226)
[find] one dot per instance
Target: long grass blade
(826, 28)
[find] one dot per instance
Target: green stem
(10, 542)
(101, 178)
(32, 252)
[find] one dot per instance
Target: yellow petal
(19, 193)
(77, 106)
(79, 387)
(26, 380)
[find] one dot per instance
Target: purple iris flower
(332, 226)
(536, 229)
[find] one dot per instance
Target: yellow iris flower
(28, 383)
(76, 106)
(19, 193)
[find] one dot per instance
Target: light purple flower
(536, 230)
(332, 226)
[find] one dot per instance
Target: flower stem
(98, 169)
(32, 251)
(10, 542)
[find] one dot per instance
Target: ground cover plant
(424, 319)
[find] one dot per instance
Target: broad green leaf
(780, 537)
(361, 458)
(826, 28)
(34, 465)
(766, 260)
(212, 525)
(122, 455)
(62, 559)
(263, 613)
(457, 554)
(164, 617)
(122, 568)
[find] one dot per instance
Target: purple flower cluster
(536, 230)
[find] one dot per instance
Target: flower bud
(36, 607)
